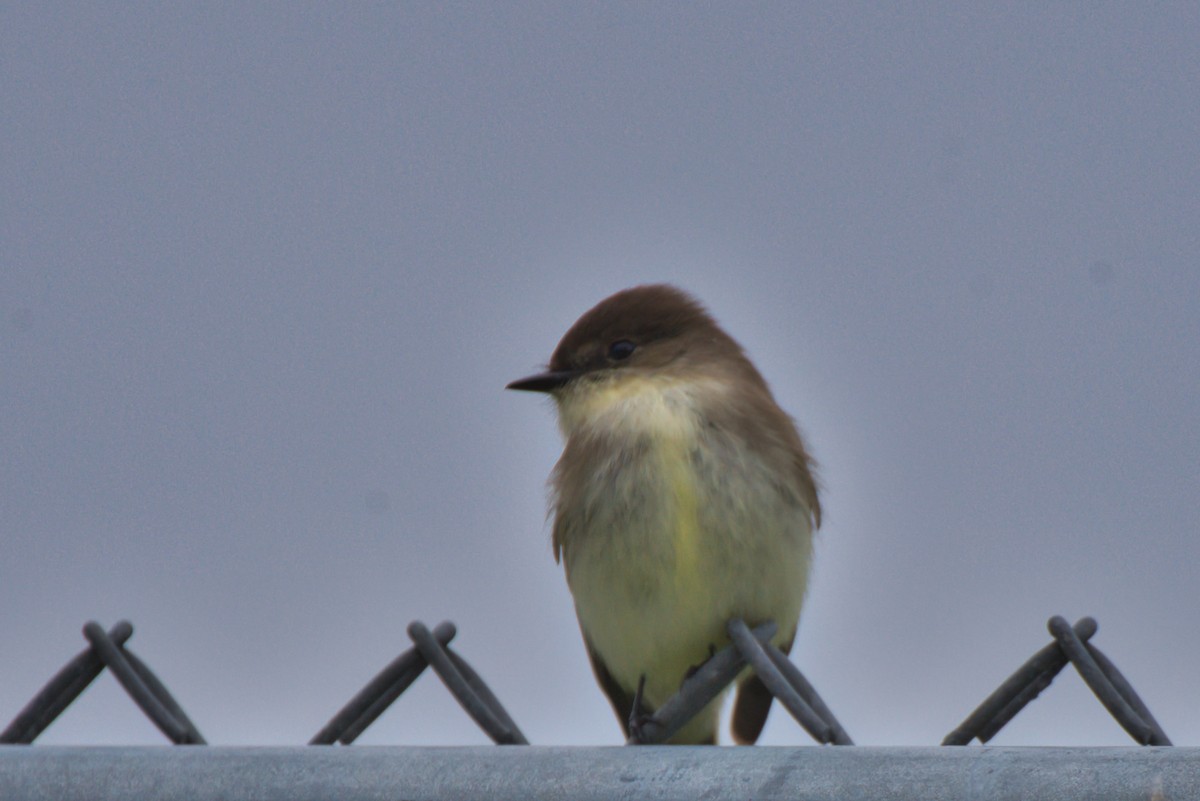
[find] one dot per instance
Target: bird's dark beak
(543, 382)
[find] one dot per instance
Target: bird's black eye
(621, 349)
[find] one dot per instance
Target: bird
(684, 496)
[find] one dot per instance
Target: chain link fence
(431, 649)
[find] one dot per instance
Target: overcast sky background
(267, 268)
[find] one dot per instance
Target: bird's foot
(638, 716)
(712, 651)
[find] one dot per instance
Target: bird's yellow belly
(654, 591)
(674, 530)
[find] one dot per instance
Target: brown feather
(621, 700)
(750, 711)
(751, 707)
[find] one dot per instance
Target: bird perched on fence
(684, 497)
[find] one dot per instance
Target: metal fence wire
(1070, 644)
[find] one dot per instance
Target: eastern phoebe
(684, 497)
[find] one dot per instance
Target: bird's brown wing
(750, 711)
(751, 707)
(620, 698)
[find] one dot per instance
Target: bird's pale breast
(675, 525)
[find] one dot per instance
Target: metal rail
(655, 773)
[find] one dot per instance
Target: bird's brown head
(643, 329)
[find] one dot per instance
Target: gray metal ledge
(103, 773)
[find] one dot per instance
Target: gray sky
(266, 270)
